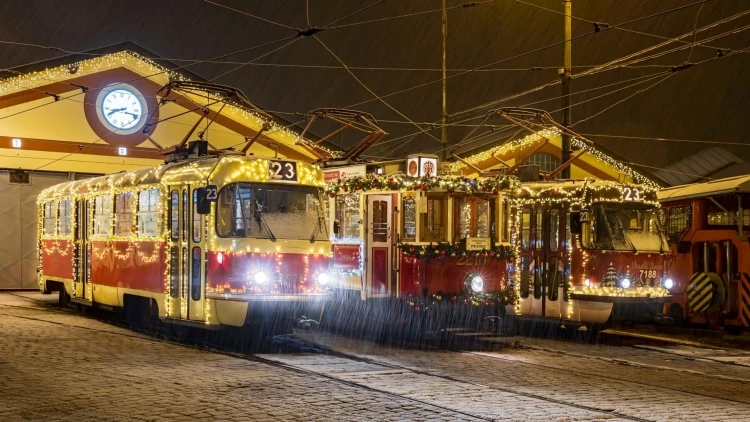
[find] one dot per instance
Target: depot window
(525, 228)
(102, 216)
(347, 216)
(433, 219)
(148, 213)
(65, 227)
(50, 219)
(473, 217)
(124, 214)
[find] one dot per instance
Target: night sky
(706, 102)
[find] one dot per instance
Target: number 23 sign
(282, 170)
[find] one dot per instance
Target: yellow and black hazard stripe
(700, 291)
(744, 291)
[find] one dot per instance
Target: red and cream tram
(422, 242)
(708, 226)
(588, 250)
(208, 240)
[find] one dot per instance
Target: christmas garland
(452, 184)
(501, 298)
(444, 249)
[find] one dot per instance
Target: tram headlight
(261, 277)
(587, 282)
(668, 283)
(323, 278)
(625, 283)
(477, 284)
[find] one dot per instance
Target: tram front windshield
(271, 211)
(625, 228)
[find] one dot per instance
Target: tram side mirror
(336, 227)
(576, 227)
(202, 204)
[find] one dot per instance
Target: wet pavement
(59, 364)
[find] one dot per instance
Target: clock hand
(135, 116)
(116, 110)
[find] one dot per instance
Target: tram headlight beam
(668, 283)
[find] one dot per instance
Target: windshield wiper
(262, 221)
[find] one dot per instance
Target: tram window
(537, 270)
(195, 274)
(525, 277)
(174, 214)
(65, 226)
(409, 209)
(50, 219)
(505, 229)
(174, 271)
(679, 221)
(554, 276)
(554, 230)
(148, 213)
(124, 214)
(525, 229)
(347, 214)
(196, 219)
(432, 223)
(538, 235)
(102, 215)
(184, 215)
(271, 212)
(473, 217)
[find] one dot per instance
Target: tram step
(81, 301)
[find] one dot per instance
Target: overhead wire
(251, 15)
(291, 41)
(407, 15)
(367, 88)
(601, 23)
(606, 66)
(534, 51)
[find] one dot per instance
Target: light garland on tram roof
(156, 72)
(451, 184)
(640, 291)
(546, 134)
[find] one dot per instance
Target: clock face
(122, 109)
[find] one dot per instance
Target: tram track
(151, 335)
(214, 348)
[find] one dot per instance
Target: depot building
(80, 116)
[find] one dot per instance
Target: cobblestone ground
(61, 365)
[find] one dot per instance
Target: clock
(122, 109)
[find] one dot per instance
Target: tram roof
(738, 184)
(180, 172)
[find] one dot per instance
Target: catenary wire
(389, 18)
(597, 69)
(367, 88)
(251, 15)
(531, 52)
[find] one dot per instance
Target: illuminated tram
(604, 237)
(212, 240)
(708, 225)
(421, 241)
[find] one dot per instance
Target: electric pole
(566, 73)
(444, 114)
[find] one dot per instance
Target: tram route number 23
(631, 194)
(283, 170)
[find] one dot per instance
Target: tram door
(553, 260)
(82, 250)
(379, 246)
(178, 252)
(196, 255)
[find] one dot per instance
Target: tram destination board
(284, 171)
